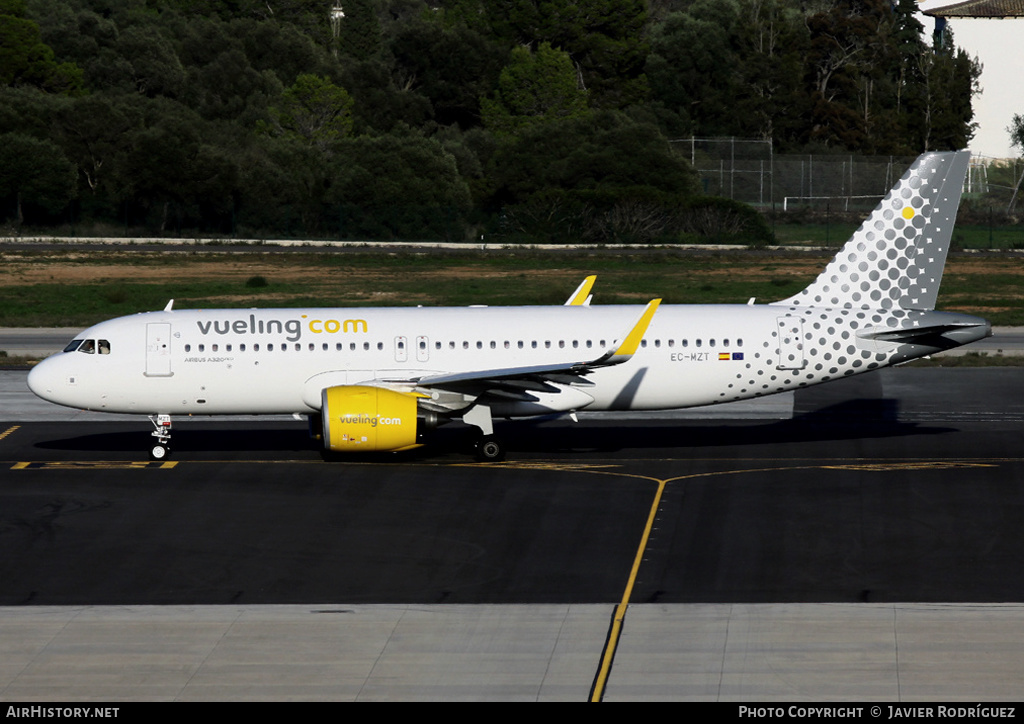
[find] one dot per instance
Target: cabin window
(493, 344)
(256, 347)
(643, 342)
(534, 344)
(270, 347)
(213, 347)
(561, 344)
(241, 348)
(188, 348)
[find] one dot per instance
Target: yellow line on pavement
(8, 431)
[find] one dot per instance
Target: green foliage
(36, 172)
(397, 187)
(604, 39)
(603, 151)
(721, 220)
(315, 111)
(1016, 131)
(26, 60)
(454, 118)
(359, 35)
(534, 88)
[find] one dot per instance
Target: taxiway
(855, 541)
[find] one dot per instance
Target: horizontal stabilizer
(946, 335)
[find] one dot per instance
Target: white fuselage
(279, 360)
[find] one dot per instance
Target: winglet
(581, 297)
(170, 306)
(629, 345)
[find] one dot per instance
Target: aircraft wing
(535, 376)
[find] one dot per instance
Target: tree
(692, 67)
(314, 110)
(359, 33)
(35, 171)
(1016, 131)
(604, 39)
(564, 180)
(451, 66)
(398, 186)
(534, 88)
(156, 69)
(26, 60)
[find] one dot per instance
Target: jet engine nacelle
(358, 418)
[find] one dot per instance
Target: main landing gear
(160, 449)
(488, 448)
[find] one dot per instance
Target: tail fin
(895, 259)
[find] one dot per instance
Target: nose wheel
(161, 449)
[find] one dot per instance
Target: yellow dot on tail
(908, 212)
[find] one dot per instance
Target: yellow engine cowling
(358, 418)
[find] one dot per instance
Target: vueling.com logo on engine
(371, 420)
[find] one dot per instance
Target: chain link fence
(839, 189)
(748, 170)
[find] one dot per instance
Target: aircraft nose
(42, 379)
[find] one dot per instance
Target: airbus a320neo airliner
(382, 379)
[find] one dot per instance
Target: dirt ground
(978, 282)
(84, 268)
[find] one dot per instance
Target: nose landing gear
(160, 449)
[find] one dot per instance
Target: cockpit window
(89, 346)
